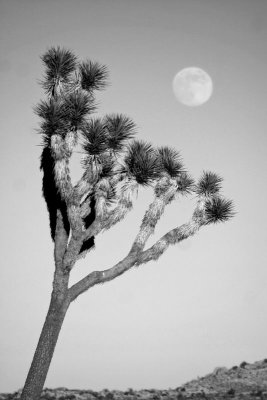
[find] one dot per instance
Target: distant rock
(245, 378)
(243, 382)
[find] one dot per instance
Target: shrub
(243, 364)
(110, 396)
(257, 393)
(231, 392)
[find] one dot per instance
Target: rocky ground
(243, 382)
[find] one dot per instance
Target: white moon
(192, 86)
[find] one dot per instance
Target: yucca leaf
(185, 183)
(50, 109)
(170, 161)
(78, 105)
(108, 190)
(93, 76)
(54, 115)
(111, 194)
(141, 162)
(107, 166)
(218, 209)
(59, 63)
(120, 129)
(209, 184)
(95, 135)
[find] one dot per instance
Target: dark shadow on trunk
(88, 220)
(51, 194)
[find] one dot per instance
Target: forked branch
(137, 257)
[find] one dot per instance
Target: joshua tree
(115, 164)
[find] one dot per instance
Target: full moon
(192, 86)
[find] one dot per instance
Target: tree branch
(137, 257)
(72, 252)
(113, 216)
(166, 188)
(61, 276)
(124, 205)
(172, 237)
(61, 240)
(97, 277)
(83, 186)
(62, 178)
(176, 235)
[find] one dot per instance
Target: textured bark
(154, 213)
(172, 237)
(55, 316)
(138, 257)
(97, 277)
(104, 194)
(45, 349)
(73, 250)
(61, 240)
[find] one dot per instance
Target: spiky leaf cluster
(170, 161)
(185, 183)
(111, 194)
(218, 209)
(209, 184)
(107, 166)
(54, 115)
(78, 106)
(95, 135)
(142, 163)
(59, 63)
(120, 129)
(93, 76)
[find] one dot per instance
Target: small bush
(180, 389)
(243, 364)
(218, 371)
(231, 392)
(109, 396)
(130, 391)
(235, 367)
(257, 393)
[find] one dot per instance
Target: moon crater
(192, 86)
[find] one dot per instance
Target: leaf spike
(209, 184)
(94, 133)
(142, 163)
(170, 161)
(218, 209)
(120, 129)
(59, 63)
(93, 76)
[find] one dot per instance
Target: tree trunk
(45, 348)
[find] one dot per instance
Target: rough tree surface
(115, 165)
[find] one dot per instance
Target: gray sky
(204, 303)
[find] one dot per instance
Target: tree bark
(45, 348)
